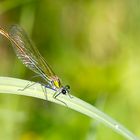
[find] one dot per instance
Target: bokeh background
(94, 46)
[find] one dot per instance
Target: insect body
(30, 56)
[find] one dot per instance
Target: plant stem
(12, 86)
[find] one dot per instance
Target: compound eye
(64, 91)
(67, 87)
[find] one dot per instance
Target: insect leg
(70, 95)
(45, 91)
(27, 86)
(56, 94)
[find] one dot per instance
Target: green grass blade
(12, 86)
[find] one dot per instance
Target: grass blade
(12, 86)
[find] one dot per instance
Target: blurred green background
(91, 45)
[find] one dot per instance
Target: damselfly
(30, 56)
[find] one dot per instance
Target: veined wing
(27, 53)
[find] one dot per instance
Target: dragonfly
(32, 59)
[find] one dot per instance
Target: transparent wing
(28, 54)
